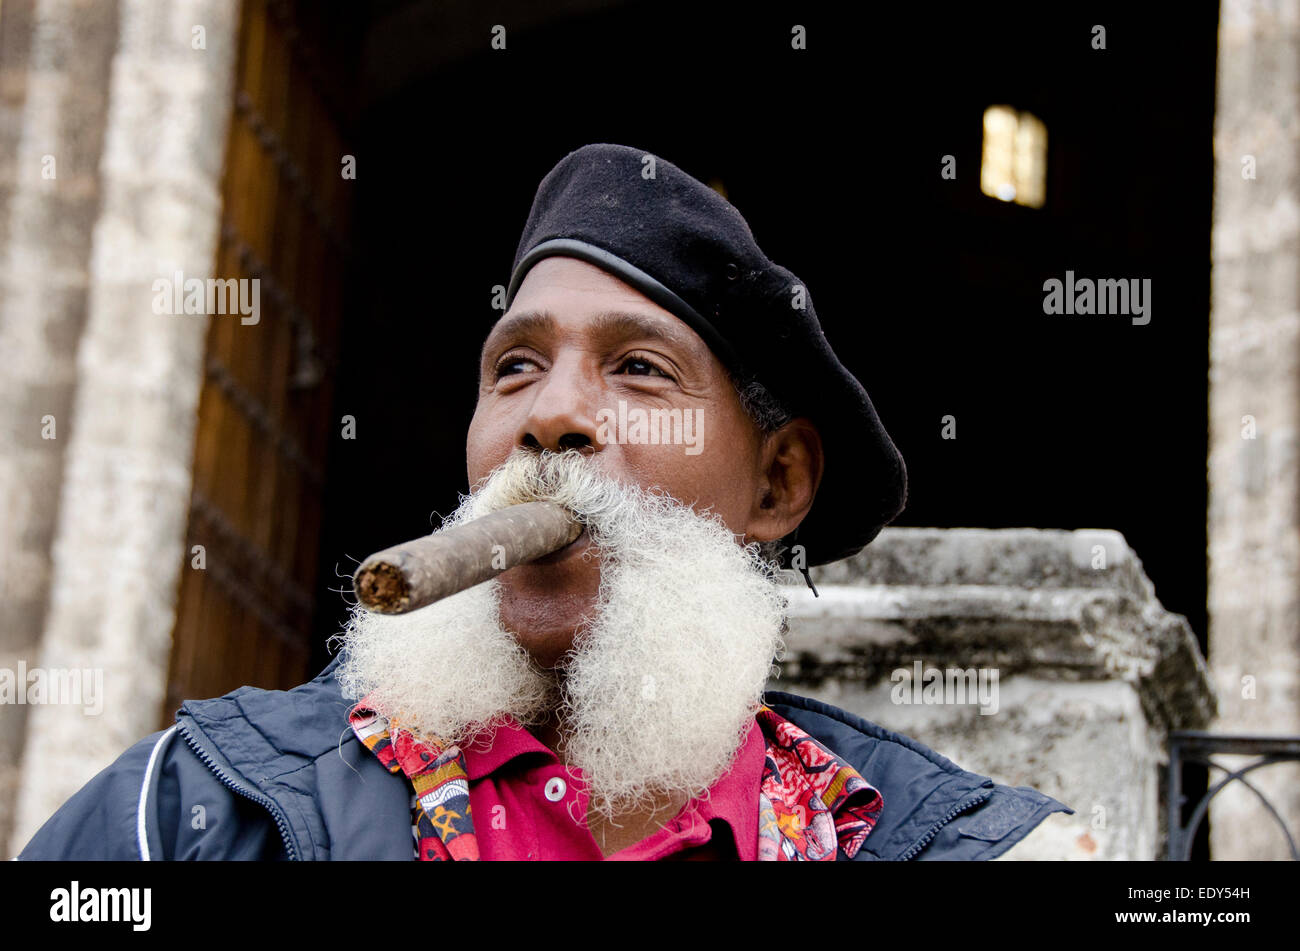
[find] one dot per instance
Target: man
(657, 375)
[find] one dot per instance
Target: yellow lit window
(1014, 163)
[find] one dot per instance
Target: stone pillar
(54, 67)
(1254, 515)
(1091, 671)
(119, 544)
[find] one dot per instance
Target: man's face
(655, 623)
(576, 343)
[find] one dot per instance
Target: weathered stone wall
(54, 68)
(1254, 516)
(123, 501)
(1092, 672)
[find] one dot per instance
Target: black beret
(688, 249)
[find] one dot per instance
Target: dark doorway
(929, 290)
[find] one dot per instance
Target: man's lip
(575, 547)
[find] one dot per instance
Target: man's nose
(563, 412)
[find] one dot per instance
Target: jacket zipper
(911, 853)
(280, 822)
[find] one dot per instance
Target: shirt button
(555, 788)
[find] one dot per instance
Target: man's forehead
(607, 306)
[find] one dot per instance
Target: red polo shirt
(529, 806)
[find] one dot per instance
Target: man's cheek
(481, 454)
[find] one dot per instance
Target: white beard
(661, 685)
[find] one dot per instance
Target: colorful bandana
(810, 801)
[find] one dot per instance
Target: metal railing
(1200, 748)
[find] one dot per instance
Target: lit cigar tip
(382, 587)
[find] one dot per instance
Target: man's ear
(792, 464)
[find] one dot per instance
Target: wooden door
(244, 613)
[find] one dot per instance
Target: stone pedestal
(1083, 672)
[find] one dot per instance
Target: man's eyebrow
(527, 322)
(610, 324)
(617, 323)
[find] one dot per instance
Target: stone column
(1084, 672)
(1254, 516)
(119, 545)
(54, 67)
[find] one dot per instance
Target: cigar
(417, 573)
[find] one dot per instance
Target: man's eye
(636, 366)
(507, 366)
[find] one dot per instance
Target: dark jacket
(270, 774)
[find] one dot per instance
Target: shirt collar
(730, 799)
(489, 750)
